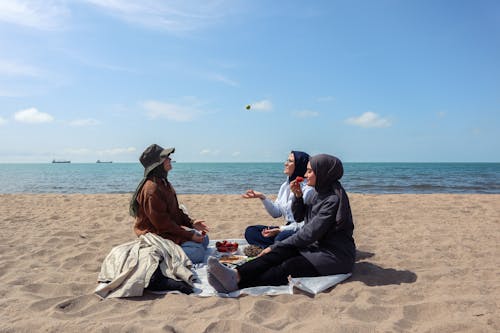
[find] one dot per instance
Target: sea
(235, 178)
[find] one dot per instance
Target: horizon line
(242, 162)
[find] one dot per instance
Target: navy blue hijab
(301, 160)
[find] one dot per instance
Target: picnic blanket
(312, 285)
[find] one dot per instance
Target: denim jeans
(253, 235)
(195, 251)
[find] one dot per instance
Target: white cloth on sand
(128, 268)
(312, 285)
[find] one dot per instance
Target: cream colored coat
(128, 268)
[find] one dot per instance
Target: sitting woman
(263, 236)
(156, 208)
(324, 246)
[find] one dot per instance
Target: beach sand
(426, 263)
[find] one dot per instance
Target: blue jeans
(195, 251)
(253, 235)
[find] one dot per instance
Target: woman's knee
(196, 255)
(252, 232)
(194, 251)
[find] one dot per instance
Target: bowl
(226, 247)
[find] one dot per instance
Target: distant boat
(99, 161)
(61, 161)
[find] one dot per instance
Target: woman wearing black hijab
(264, 236)
(324, 246)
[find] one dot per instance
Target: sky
(366, 81)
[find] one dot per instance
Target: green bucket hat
(153, 156)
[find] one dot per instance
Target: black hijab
(301, 160)
(329, 170)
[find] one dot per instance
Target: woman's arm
(299, 204)
(294, 226)
(274, 208)
(270, 207)
(298, 209)
(319, 224)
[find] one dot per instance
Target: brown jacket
(159, 212)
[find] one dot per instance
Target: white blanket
(312, 285)
(127, 269)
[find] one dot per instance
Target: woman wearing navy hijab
(264, 236)
(324, 246)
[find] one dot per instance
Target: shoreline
(426, 262)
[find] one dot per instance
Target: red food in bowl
(226, 246)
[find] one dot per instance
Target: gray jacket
(326, 238)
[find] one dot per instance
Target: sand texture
(426, 263)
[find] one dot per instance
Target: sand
(426, 263)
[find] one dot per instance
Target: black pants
(160, 282)
(273, 268)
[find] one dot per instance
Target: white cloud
(84, 122)
(369, 119)
(44, 15)
(306, 114)
(2, 121)
(264, 105)
(32, 116)
(175, 112)
(173, 16)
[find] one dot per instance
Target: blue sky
(367, 81)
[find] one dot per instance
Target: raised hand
(295, 187)
(251, 194)
(200, 226)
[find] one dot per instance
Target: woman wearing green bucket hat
(156, 208)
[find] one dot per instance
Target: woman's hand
(251, 194)
(197, 237)
(265, 251)
(200, 225)
(295, 188)
(268, 232)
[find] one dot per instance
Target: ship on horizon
(99, 161)
(61, 161)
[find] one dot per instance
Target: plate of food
(232, 259)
